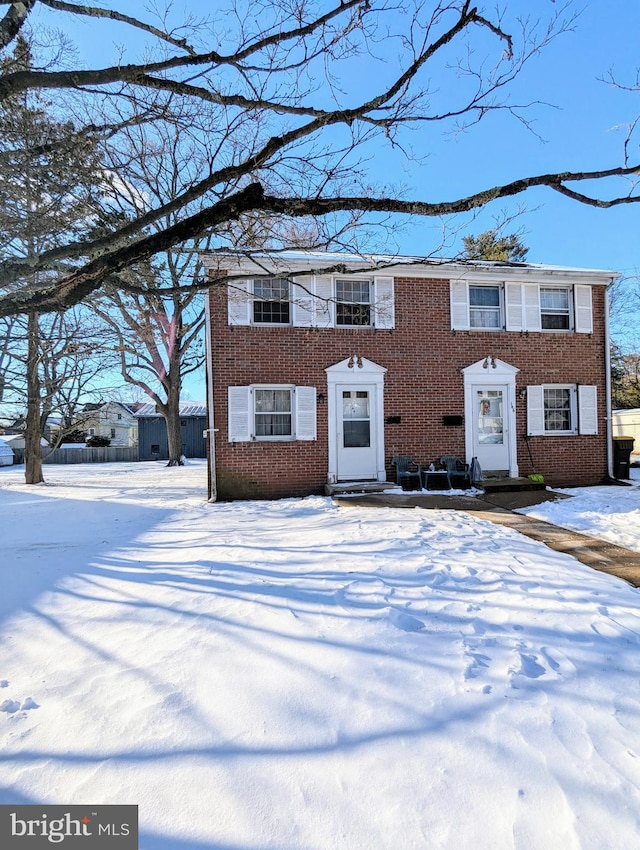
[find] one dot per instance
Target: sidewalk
(500, 508)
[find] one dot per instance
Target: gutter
(211, 431)
(607, 383)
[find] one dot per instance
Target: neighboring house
(6, 454)
(626, 423)
(321, 378)
(152, 431)
(112, 419)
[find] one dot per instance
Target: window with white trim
(562, 409)
(559, 409)
(485, 307)
(520, 306)
(353, 302)
(271, 301)
(261, 412)
(555, 308)
(272, 413)
(318, 301)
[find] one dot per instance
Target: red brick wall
(423, 357)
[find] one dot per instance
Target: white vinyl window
(555, 308)
(559, 409)
(562, 409)
(272, 413)
(263, 413)
(485, 307)
(353, 302)
(271, 302)
(318, 301)
(520, 306)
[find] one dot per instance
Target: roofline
(265, 264)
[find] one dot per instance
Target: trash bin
(622, 448)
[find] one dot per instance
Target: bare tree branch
(13, 21)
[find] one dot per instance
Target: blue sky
(578, 131)
(582, 128)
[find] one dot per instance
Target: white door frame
(486, 373)
(356, 370)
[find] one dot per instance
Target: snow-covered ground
(295, 674)
(610, 512)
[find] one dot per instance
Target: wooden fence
(103, 454)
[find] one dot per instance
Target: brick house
(325, 366)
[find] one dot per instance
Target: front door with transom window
(355, 420)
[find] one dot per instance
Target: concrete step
(358, 487)
(510, 485)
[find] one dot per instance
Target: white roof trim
(301, 262)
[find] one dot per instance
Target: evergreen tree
(489, 245)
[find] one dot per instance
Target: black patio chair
(457, 472)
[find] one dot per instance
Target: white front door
(357, 438)
(490, 416)
(491, 432)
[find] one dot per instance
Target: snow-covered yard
(299, 675)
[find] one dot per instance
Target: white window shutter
(535, 411)
(323, 301)
(532, 320)
(459, 306)
(587, 409)
(305, 401)
(583, 309)
(514, 307)
(240, 414)
(302, 306)
(384, 306)
(239, 301)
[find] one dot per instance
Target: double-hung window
(562, 409)
(272, 413)
(485, 309)
(280, 412)
(559, 409)
(353, 302)
(555, 308)
(271, 304)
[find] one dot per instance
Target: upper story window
(317, 301)
(485, 307)
(521, 306)
(353, 302)
(271, 303)
(555, 308)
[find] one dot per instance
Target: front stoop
(359, 487)
(509, 485)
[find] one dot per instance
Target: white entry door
(491, 432)
(357, 438)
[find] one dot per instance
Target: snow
(295, 674)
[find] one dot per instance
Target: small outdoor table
(438, 480)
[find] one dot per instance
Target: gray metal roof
(187, 408)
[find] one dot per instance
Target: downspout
(211, 431)
(607, 380)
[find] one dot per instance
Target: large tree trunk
(172, 413)
(174, 437)
(32, 459)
